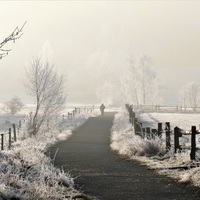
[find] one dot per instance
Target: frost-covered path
(103, 174)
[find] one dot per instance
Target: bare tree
(140, 86)
(183, 97)
(191, 95)
(13, 106)
(133, 81)
(146, 79)
(16, 34)
(48, 90)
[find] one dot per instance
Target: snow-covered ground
(25, 171)
(152, 152)
(182, 120)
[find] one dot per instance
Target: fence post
(9, 142)
(20, 124)
(134, 122)
(159, 129)
(73, 113)
(131, 116)
(138, 127)
(129, 111)
(14, 131)
(69, 116)
(193, 143)
(2, 141)
(148, 132)
(154, 132)
(144, 132)
(133, 119)
(176, 139)
(63, 117)
(168, 139)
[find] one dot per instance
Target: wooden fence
(169, 109)
(11, 135)
(177, 133)
(73, 113)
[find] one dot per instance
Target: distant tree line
(138, 85)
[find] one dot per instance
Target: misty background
(92, 42)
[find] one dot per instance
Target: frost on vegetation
(152, 152)
(193, 175)
(124, 140)
(27, 173)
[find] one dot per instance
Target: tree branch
(16, 34)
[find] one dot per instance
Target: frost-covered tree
(13, 106)
(140, 84)
(146, 77)
(16, 34)
(183, 97)
(108, 88)
(190, 95)
(130, 85)
(47, 87)
(108, 93)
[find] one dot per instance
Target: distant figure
(102, 107)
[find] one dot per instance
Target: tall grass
(27, 173)
(125, 142)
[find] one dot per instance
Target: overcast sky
(90, 39)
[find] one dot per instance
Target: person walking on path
(102, 108)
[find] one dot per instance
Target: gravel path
(103, 174)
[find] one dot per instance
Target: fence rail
(148, 132)
(79, 110)
(162, 108)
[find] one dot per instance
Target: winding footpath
(102, 174)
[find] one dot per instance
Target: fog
(92, 42)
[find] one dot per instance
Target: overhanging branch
(16, 34)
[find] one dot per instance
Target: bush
(13, 106)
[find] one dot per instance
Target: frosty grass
(152, 152)
(27, 173)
